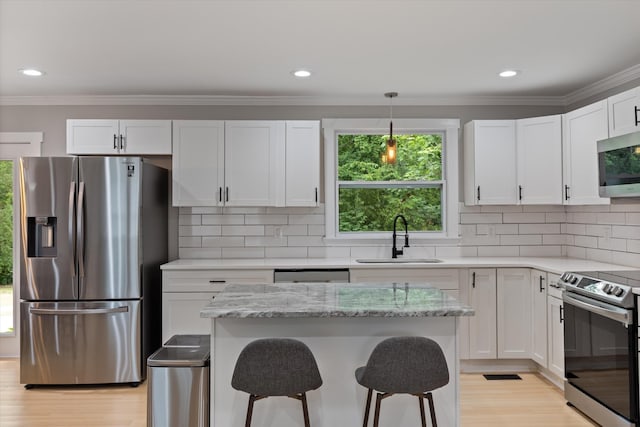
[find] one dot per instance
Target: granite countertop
(333, 300)
(552, 264)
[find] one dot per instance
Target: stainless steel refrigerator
(93, 235)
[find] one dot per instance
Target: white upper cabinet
(624, 112)
(539, 160)
(490, 166)
(582, 129)
(246, 163)
(254, 163)
(108, 137)
(302, 161)
(198, 162)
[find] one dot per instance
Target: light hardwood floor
(531, 402)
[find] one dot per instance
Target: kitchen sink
(399, 260)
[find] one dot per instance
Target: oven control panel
(613, 292)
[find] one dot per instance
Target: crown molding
(186, 100)
(608, 83)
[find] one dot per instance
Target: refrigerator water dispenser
(41, 236)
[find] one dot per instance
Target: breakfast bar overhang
(341, 323)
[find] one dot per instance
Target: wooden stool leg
(432, 409)
(305, 409)
(376, 417)
(252, 398)
(422, 415)
(366, 408)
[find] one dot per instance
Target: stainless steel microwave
(619, 166)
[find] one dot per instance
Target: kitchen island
(341, 323)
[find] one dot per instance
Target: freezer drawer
(80, 342)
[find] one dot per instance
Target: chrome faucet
(394, 250)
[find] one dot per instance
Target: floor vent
(502, 376)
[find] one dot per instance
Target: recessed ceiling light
(302, 73)
(31, 72)
(508, 73)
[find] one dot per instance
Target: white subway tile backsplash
(520, 218)
(544, 251)
(306, 219)
(520, 239)
(222, 219)
(243, 230)
(586, 241)
(266, 219)
(539, 228)
(599, 232)
(473, 218)
(222, 242)
(189, 219)
(199, 230)
(612, 244)
(499, 251)
(611, 218)
(299, 252)
(243, 252)
(265, 241)
(329, 252)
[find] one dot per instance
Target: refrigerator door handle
(80, 232)
(76, 311)
(72, 228)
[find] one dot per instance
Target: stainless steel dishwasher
(311, 275)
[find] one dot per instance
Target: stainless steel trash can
(178, 387)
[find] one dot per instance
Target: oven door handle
(614, 313)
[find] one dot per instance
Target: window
(364, 194)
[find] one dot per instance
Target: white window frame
(14, 145)
(449, 128)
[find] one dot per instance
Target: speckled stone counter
(333, 300)
(341, 323)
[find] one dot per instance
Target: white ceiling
(428, 50)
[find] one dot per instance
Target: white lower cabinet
(555, 333)
(514, 313)
(186, 292)
(539, 315)
(501, 327)
(482, 326)
(445, 279)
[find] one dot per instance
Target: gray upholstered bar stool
(404, 365)
(276, 367)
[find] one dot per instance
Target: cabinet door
(556, 336)
(539, 152)
(482, 326)
(539, 325)
(93, 137)
(198, 162)
(181, 313)
(493, 153)
(582, 129)
(514, 313)
(254, 163)
(624, 116)
(145, 137)
(302, 177)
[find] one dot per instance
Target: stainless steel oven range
(601, 345)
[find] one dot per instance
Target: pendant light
(389, 156)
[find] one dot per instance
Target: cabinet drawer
(442, 278)
(554, 288)
(211, 280)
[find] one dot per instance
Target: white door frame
(14, 145)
